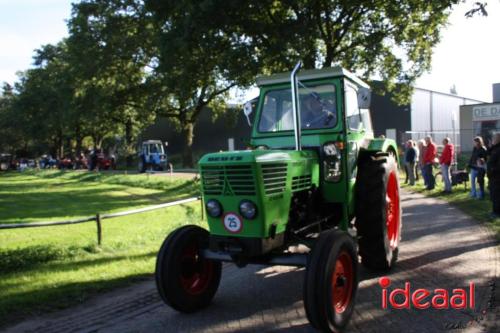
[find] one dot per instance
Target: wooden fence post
(202, 210)
(99, 229)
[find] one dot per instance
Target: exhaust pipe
(296, 106)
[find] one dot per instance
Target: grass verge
(42, 269)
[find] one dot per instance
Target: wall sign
(486, 112)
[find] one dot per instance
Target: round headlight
(214, 208)
(330, 149)
(248, 209)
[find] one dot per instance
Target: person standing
(406, 150)
(410, 159)
(429, 157)
(421, 150)
(493, 169)
(417, 159)
(445, 162)
(477, 168)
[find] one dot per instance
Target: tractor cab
(331, 103)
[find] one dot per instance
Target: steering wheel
(325, 116)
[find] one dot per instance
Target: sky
(468, 55)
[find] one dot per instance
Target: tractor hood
(268, 178)
(254, 156)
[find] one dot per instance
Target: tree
(108, 49)
(389, 40)
(11, 135)
(43, 100)
(197, 63)
(207, 47)
(479, 8)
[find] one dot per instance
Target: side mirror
(247, 110)
(166, 143)
(364, 98)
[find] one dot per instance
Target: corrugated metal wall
(436, 114)
(420, 113)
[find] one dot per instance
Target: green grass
(56, 195)
(43, 269)
(478, 209)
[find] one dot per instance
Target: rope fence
(99, 217)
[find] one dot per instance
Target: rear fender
(381, 145)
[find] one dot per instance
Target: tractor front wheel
(331, 281)
(185, 280)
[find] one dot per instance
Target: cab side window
(352, 110)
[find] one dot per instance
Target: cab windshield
(152, 148)
(317, 108)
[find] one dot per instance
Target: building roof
(309, 74)
(451, 95)
(485, 104)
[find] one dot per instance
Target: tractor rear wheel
(184, 279)
(378, 211)
(331, 281)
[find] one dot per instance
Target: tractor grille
(228, 180)
(300, 183)
(274, 178)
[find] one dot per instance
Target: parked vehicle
(99, 161)
(152, 156)
(47, 162)
(315, 176)
(5, 162)
(66, 163)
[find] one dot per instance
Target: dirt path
(441, 248)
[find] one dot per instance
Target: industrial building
(481, 119)
(429, 113)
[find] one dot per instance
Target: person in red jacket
(429, 156)
(445, 162)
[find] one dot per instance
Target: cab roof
(310, 74)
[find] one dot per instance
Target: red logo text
(406, 298)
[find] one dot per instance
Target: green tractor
(315, 189)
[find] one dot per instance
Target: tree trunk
(60, 145)
(128, 142)
(97, 140)
(309, 60)
(78, 140)
(187, 156)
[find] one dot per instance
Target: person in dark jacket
(493, 170)
(477, 166)
(410, 160)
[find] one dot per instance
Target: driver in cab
(315, 113)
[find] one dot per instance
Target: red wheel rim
(195, 272)
(392, 210)
(342, 282)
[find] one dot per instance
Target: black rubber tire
(371, 190)
(321, 265)
(170, 270)
(141, 167)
